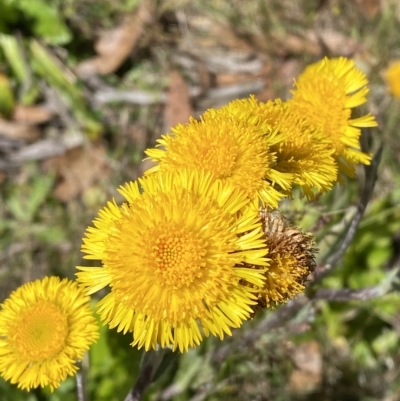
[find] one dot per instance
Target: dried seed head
(292, 259)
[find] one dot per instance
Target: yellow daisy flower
(393, 78)
(325, 95)
(173, 257)
(292, 259)
(299, 157)
(235, 148)
(45, 328)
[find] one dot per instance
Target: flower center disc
(220, 160)
(41, 332)
(178, 256)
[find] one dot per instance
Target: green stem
(150, 365)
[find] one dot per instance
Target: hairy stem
(150, 364)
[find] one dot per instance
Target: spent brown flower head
(292, 259)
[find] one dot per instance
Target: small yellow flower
(45, 328)
(393, 78)
(325, 95)
(299, 157)
(232, 143)
(292, 259)
(173, 257)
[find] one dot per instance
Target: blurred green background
(86, 86)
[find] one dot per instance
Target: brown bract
(292, 259)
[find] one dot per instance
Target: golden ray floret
(46, 326)
(325, 94)
(173, 257)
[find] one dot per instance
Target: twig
(151, 362)
(48, 148)
(229, 92)
(288, 311)
(273, 321)
(234, 63)
(133, 96)
(370, 179)
(346, 294)
(387, 285)
(219, 96)
(80, 384)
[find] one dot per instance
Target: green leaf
(45, 65)
(363, 354)
(48, 23)
(41, 187)
(7, 102)
(14, 55)
(12, 52)
(51, 235)
(387, 343)
(25, 202)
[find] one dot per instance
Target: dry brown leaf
(369, 7)
(296, 44)
(31, 114)
(288, 70)
(138, 135)
(229, 78)
(268, 91)
(3, 176)
(116, 45)
(204, 76)
(308, 375)
(78, 169)
(284, 44)
(224, 79)
(339, 44)
(177, 108)
(18, 130)
(209, 33)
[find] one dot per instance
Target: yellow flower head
(393, 78)
(299, 157)
(324, 96)
(233, 147)
(291, 255)
(45, 328)
(173, 256)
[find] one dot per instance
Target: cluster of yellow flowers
(197, 247)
